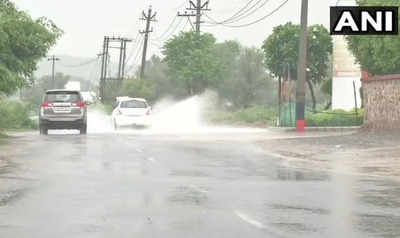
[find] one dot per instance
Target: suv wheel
(83, 130)
(43, 130)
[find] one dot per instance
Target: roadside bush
(253, 115)
(15, 115)
(138, 88)
(335, 118)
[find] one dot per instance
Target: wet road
(143, 185)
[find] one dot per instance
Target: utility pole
(53, 76)
(148, 18)
(105, 62)
(196, 11)
(302, 70)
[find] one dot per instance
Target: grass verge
(253, 116)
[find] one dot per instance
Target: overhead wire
(168, 28)
(172, 32)
(79, 65)
(238, 12)
(134, 47)
(250, 23)
(135, 59)
(249, 13)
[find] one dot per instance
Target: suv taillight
(80, 104)
(47, 104)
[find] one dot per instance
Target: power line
(136, 58)
(81, 64)
(134, 47)
(249, 13)
(172, 32)
(168, 28)
(174, 29)
(238, 12)
(253, 22)
(242, 15)
(253, 8)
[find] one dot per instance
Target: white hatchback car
(131, 112)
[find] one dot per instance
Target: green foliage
(192, 61)
(162, 85)
(377, 54)
(253, 115)
(335, 118)
(138, 88)
(282, 48)
(23, 42)
(34, 93)
(15, 115)
(246, 82)
(326, 87)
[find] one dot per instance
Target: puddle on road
(188, 195)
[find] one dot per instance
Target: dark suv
(63, 109)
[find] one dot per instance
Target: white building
(345, 72)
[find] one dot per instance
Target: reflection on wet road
(138, 185)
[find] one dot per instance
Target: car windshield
(133, 104)
(62, 97)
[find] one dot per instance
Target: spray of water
(171, 117)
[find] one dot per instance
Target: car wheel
(83, 130)
(43, 130)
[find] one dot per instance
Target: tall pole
(148, 18)
(103, 66)
(196, 11)
(302, 70)
(121, 54)
(198, 16)
(124, 59)
(53, 70)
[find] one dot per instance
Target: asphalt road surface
(210, 185)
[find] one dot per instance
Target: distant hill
(86, 68)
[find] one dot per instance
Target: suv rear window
(133, 104)
(62, 97)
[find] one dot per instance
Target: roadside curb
(317, 129)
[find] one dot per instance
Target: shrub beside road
(15, 115)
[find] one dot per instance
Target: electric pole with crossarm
(150, 17)
(53, 76)
(196, 11)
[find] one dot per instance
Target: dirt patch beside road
(362, 153)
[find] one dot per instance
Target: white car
(131, 112)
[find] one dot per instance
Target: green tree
(192, 61)
(282, 50)
(137, 88)
(377, 54)
(33, 93)
(23, 42)
(157, 76)
(249, 84)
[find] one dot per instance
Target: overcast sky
(85, 23)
